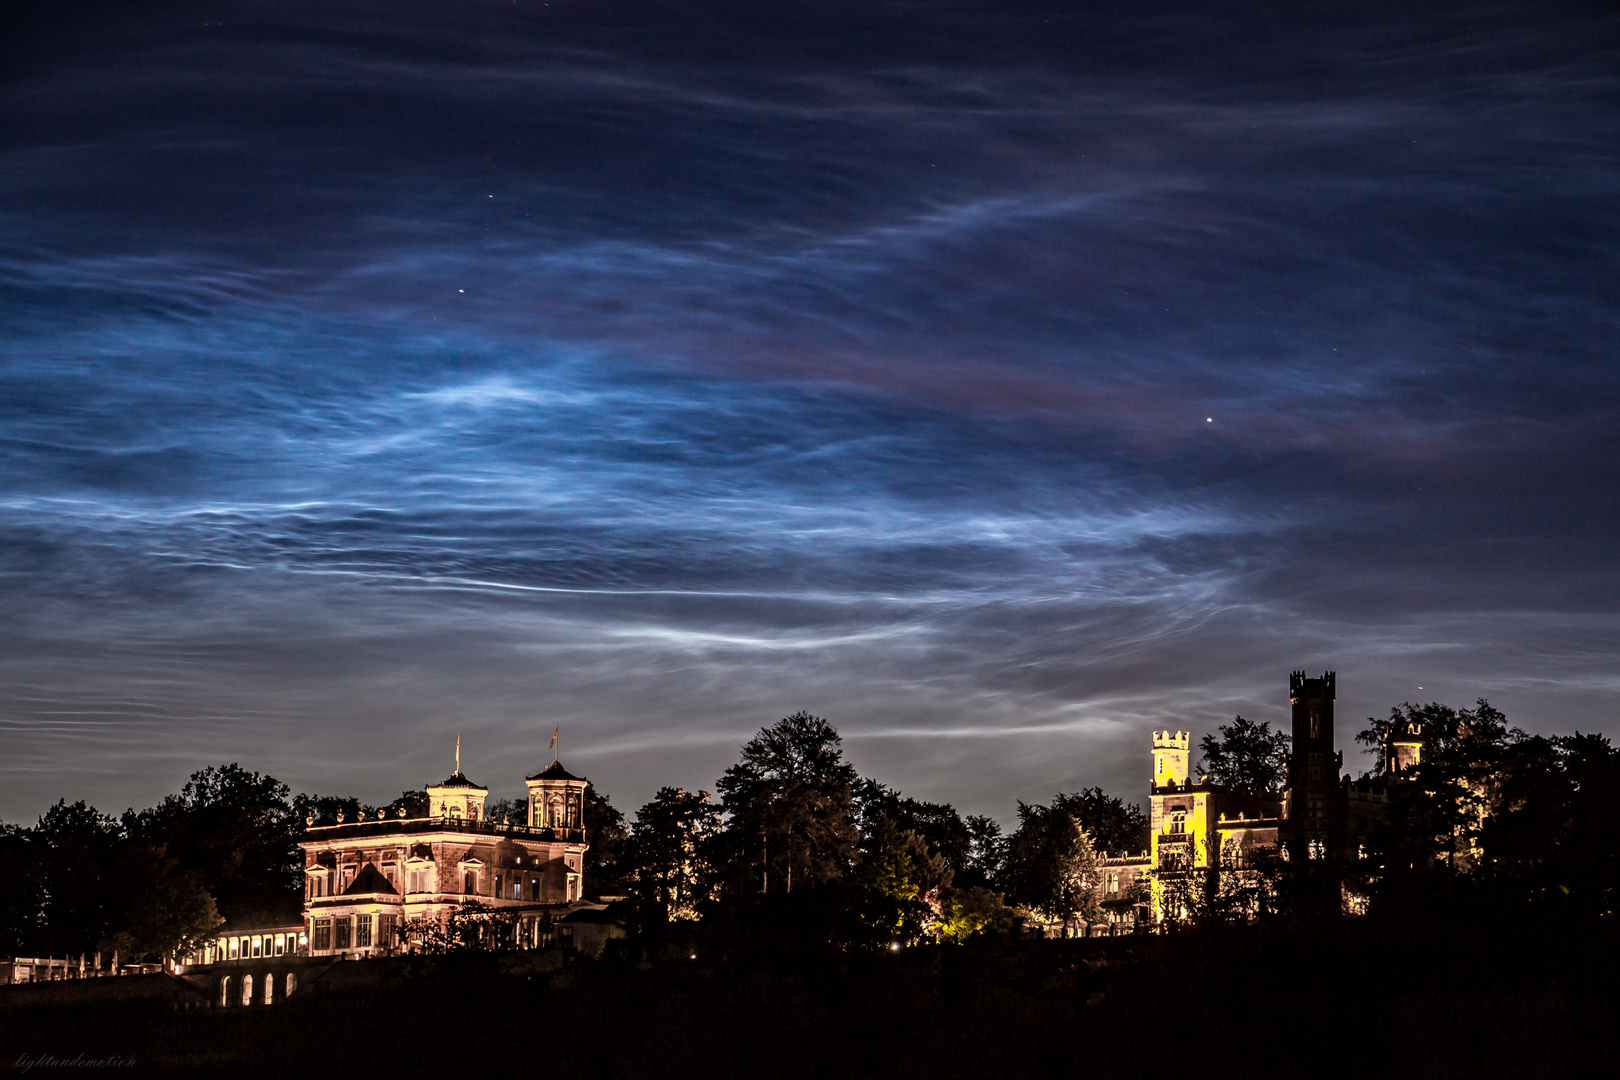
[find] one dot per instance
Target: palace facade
(367, 882)
(374, 885)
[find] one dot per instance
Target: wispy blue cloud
(1001, 384)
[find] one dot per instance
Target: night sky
(999, 382)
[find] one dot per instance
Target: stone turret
(1170, 758)
(1403, 749)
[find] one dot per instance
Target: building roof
(369, 880)
(603, 915)
(458, 779)
(555, 771)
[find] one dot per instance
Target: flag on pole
(557, 731)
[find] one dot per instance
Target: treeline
(149, 883)
(792, 836)
(792, 818)
(1493, 818)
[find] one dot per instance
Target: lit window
(362, 932)
(236, 948)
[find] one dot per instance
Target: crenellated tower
(1313, 766)
(1403, 749)
(1170, 758)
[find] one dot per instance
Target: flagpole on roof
(458, 753)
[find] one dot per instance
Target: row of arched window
(248, 990)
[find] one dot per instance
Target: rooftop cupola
(556, 796)
(456, 796)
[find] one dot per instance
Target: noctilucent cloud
(1001, 382)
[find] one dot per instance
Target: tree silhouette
(667, 858)
(789, 800)
(1051, 866)
(1246, 755)
(238, 832)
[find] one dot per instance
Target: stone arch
(247, 989)
(225, 991)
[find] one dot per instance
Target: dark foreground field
(1362, 999)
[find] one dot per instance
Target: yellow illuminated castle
(1197, 826)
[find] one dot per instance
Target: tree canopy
(1051, 866)
(668, 855)
(789, 802)
(1244, 754)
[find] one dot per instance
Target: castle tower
(456, 796)
(1170, 758)
(557, 801)
(1313, 768)
(1403, 749)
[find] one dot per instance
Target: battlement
(1171, 740)
(1301, 685)
(1411, 732)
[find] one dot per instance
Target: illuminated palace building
(367, 881)
(1197, 827)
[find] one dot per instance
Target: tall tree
(238, 832)
(1439, 826)
(605, 833)
(1114, 826)
(1051, 865)
(900, 871)
(789, 806)
(20, 899)
(987, 852)
(76, 870)
(170, 917)
(667, 856)
(937, 824)
(1247, 755)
